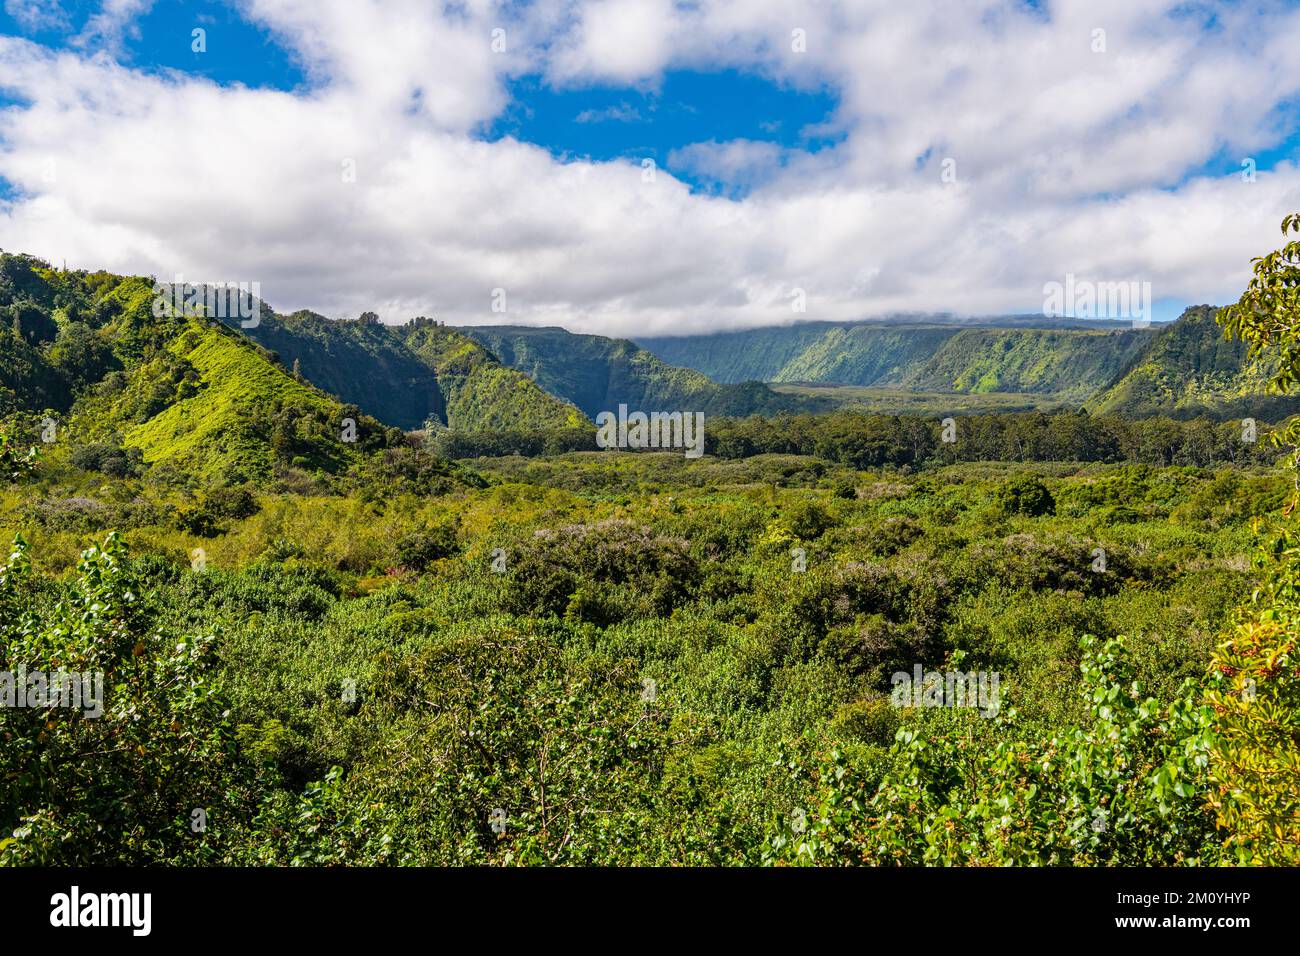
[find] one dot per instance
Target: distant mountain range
(1182, 369)
(414, 375)
(597, 373)
(1073, 361)
(227, 401)
(1190, 369)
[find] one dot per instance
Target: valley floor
(610, 658)
(904, 401)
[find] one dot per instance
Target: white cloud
(1066, 160)
(113, 23)
(616, 40)
(37, 14)
(742, 162)
(623, 113)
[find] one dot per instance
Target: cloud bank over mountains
(986, 148)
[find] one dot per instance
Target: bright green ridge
(86, 350)
(217, 425)
(1191, 369)
(413, 375)
(1073, 362)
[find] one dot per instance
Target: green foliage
(417, 551)
(1024, 495)
(84, 355)
(1255, 766)
(623, 690)
(845, 488)
(1264, 318)
(569, 753)
(1255, 770)
(872, 441)
(111, 459)
(808, 520)
(627, 570)
(1123, 788)
(120, 786)
(13, 465)
(598, 374)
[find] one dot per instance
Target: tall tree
(1255, 763)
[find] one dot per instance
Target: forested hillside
(94, 366)
(1069, 363)
(843, 353)
(1073, 359)
(398, 386)
(1183, 370)
(1192, 369)
(598, 373)
(412, 375)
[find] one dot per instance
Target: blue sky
(599, 122)
(612, 122)
(161, 38)
(813, 171)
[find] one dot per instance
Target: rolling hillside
(231, 412)
(87, 351)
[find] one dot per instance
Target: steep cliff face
(598, 374)
(1191, 369)
(1073, 362)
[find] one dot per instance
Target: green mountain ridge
(221, 401)
(1181, 369)
(1191, 369)
(1074, 360)
(598, 374)
(412, 375)
(86, 351)
(94, 338)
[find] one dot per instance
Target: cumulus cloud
(988, 148)
(616, 40)
(739, 162)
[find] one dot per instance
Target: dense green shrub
(1024, 495)
(640, 572)
(112, 460)
(418, 550)
(1124, 788)
(651, 649)
(120, 786)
